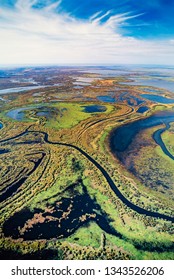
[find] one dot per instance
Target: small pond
(94, 108)
(17, 114)
(142, 109)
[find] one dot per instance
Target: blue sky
(87, 32)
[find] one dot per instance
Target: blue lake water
(123, 136)
(142, 109)
(1, 125)
(158, 98)
(106, 98)
(17, 114)
(94, 108)
(163, 84)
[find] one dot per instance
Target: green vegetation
(62, 206)
(71, 114)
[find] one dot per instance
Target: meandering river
(104, 173)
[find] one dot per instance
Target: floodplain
(86, 163)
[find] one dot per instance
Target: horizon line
(83, 65)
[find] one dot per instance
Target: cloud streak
(50, 36)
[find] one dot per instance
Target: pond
(17, 114)
(142, 109)
(94, 108)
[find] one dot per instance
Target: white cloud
(25, 4)
(30, 36)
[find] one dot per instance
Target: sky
(87, 32)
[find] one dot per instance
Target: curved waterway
(157, 137)
(123, 136)
(13, 187)
(105, 174)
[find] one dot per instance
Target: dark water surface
(14, 186)
(77, 205)
(154, 120)
(94, 108)
(123, 136)
(142, 109)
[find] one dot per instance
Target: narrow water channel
(104, 173)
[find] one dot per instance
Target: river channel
(103, 171)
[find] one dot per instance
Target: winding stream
(13, 187)
(103, 171)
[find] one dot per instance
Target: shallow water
(17, 114)
(163, 84)
(43, 114)
(19, 89)
(158, 98)
(106, 98)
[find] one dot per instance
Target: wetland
(86, 163)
